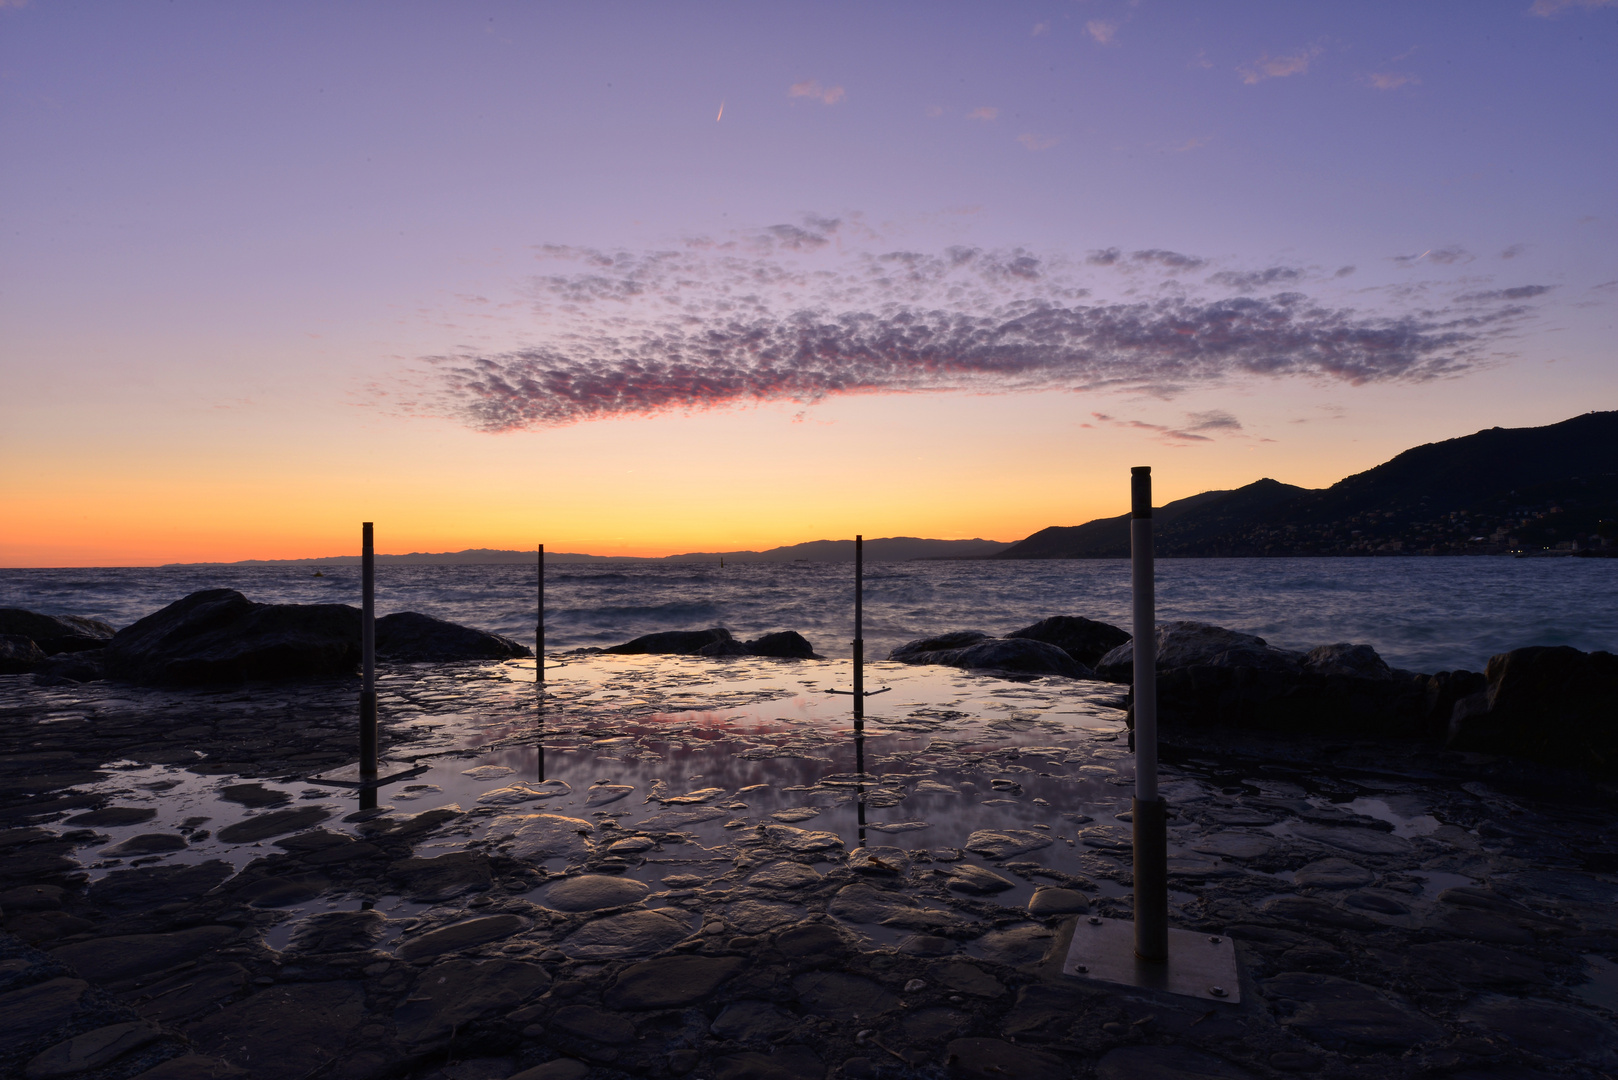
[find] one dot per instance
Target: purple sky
(299, 263)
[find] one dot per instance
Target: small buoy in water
(319, 574)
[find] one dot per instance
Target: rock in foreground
(1085, 640)
(411, 636)
(1552, 704)
(220, 636)
(55, 633)
(976, 650)
(716, 641)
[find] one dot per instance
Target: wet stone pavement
(670, 867)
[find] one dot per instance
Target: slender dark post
(368, 653)
(859, 634)
(539, 625)
(1150, 814)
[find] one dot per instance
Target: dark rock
(1443, 692)
(934, 1024)
(675, 642)
(191, 992)
(277, 892)
(341, 931)
(865, 903)
(443, 877)
(786, 644)
(1316, 912)
(274, 823)
(1555, 705)
(1085, 640)
(92, 1050)
(35, 927)
(974, 650)
(461, 935)
(72, 667)
(457, 992)
(996, 1059)
(1354, 661)
(55, 633)
(194, 1067)
(113, 815)
(976, 881)
(1165, 1063)
(34, 1010)
(786, 1063)
(842, 996)
(218, 635)
(147, 844)
(585, 1022)
(142, 888)
(1469, 964)
(968, 979)
(19, 654)
(1004, 843)
(1547, 1029)
(412, 637)
(752, 1021)
(1333, 874)
(1343, 1015)
(670, 982)
(1024, 944)
(1051, 900)
(727, 647)
(254, 795)
(286, 1032)
(632, 934)
(1184, 644)
(114, 959)
(812, 941)
(593, 892)
(557, 1069)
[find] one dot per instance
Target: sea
(1420, 614)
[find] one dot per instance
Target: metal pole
(539, 625)
(859, 633)
(1149, 812)
(367, 653)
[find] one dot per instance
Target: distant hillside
(885, 549)
(1516, 489)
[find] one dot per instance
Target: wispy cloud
(1513, 251)
(1037, 142)
(1103, 31)
(1390, 80)
(1040, 29)
(811, 88)
(1519, 292)
(983, 112)
(1216, 420)
(1279, 67)
(1547, 8)
(1249, 280)
(1444, 256)
(1196, 143)
(784, 314)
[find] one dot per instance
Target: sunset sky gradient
(653, 278)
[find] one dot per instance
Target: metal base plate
(1199, 965)
(349, 775)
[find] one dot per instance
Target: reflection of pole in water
(539, 731)
(859, 776)
(539, 624)
(367, 798)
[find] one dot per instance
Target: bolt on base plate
(349, 775)
(1199, 965)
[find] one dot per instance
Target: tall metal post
(859, 634)
(539, 625)
(367, 653)
(1149, 812)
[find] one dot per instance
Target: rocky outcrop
(672, 642)
(718, 642)
(19, 654)
(1552, 704)
(1085, 640)
(220, 636)
(976, 650)
(55, 633)
(413, 637)
(1208, 675)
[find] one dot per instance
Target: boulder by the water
(19, 654)
(411, 636)
(74, 667)
(1209, 675)
(1187, 644)
(55, 633)
(1085, 640)
(976, 650)
(220, 636)
(718, 642)
(1552, 704)
(672, 642)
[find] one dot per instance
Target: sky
(640, 279)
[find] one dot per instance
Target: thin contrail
(721, 115)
